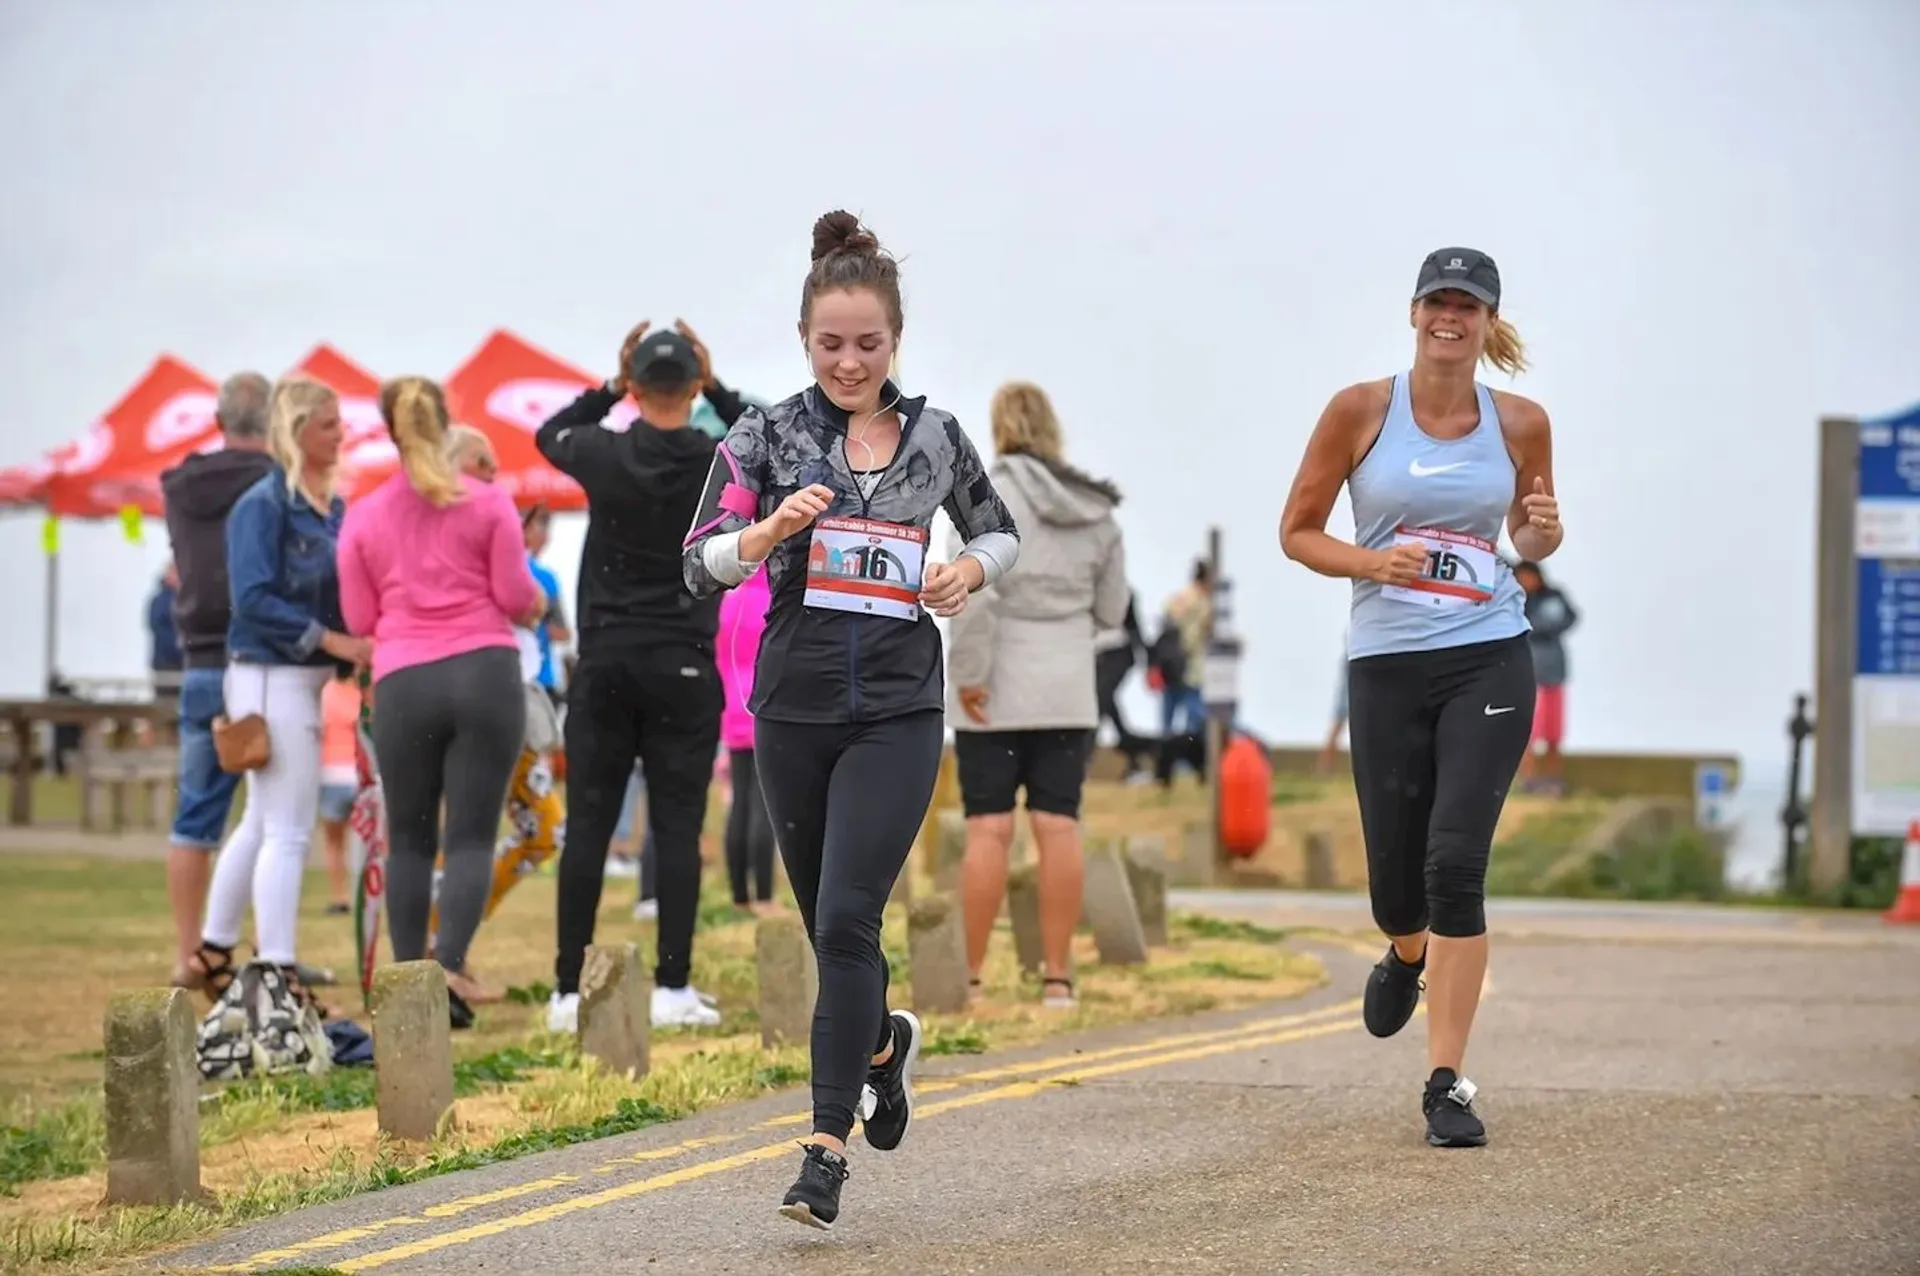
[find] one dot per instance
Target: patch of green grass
(954, 1038)
(1520, 861)
(52, 1142)
(1202, 926)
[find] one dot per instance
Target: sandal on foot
(1055, 1000)
(209, 970)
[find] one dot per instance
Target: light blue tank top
(1456, 494)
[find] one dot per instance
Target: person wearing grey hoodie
(1022, 699)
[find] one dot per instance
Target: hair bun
(841, 232)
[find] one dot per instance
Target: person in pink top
(750, 846)
(433, 569)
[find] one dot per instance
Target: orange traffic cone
(1906, 905)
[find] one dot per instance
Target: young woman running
(1440, 678)
(835, 489)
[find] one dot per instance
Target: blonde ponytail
(1504, 349)
(415, 411)
(295, 402)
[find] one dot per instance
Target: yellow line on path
(688, 1174)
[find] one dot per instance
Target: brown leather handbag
(241, 744)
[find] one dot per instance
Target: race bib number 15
(1459, 572)
(866, 566)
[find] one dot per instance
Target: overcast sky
(1191, 223)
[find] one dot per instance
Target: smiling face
(850, 345)
(1452, 328)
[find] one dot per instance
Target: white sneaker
(622, 866)
(682, 1008)
(563, 1012)
(647, 910)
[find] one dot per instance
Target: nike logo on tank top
(1451, 497)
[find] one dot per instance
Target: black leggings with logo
(1436, 737)
(846, 801)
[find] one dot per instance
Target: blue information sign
(1886, 683)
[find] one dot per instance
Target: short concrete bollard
(789, 979)
(1108, 906)
(616, 1008)
(152, 1099)
(937, 946)
(412, 1049)
(1195, 865)
(1023, 912)
(950, 851)
(1317, 851)
(1146, 861)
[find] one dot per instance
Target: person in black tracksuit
(646, 685)
(834, 489)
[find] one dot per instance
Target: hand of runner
(943, 590)
(1400, 565)
(1542, 509)
(618, 383)
(799, 510)
(974, 701)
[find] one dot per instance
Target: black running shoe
(1393, 990)
(814, 1198)
(1451, 1120)
(892, 1086)
(459, 1013)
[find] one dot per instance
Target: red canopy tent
(113, 469)
(506, 389)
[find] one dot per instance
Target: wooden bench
(109, 779)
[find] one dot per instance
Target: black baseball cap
(1466, 269)
(664, 359)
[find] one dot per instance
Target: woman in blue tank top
(1440, 682)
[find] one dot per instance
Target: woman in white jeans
(286, 639)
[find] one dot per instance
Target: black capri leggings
(448, 729)
(846, 800)
(749, 834)
(1436, 737)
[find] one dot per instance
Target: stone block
(950, 851)
(1146, 863)
(1317, 856)
(152, 1098)
(937, 945)
(1107, 904)
(616, 1008)
(789, 979)
(412, 1049)
(1195, 866)
(1023, 912)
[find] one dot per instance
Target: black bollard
(1793, 816)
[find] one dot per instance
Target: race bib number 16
(866, 566)
(1460, 569)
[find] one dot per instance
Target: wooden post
(1216, 732)
(1836, 584)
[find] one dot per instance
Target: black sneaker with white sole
(1393, 991)
(892, 1087)
(1451, 1120)
(814, 1198)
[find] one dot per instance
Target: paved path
(1667, 1091)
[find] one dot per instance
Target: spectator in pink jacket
(743, 618)
(433, 569)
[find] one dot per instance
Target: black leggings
(451, 729)
(846, 801)
(749, 833)
(1436, 737)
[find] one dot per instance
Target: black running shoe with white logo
(891, 1085)
(1451, 1120)
(1393, 990)
(814, 1198)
